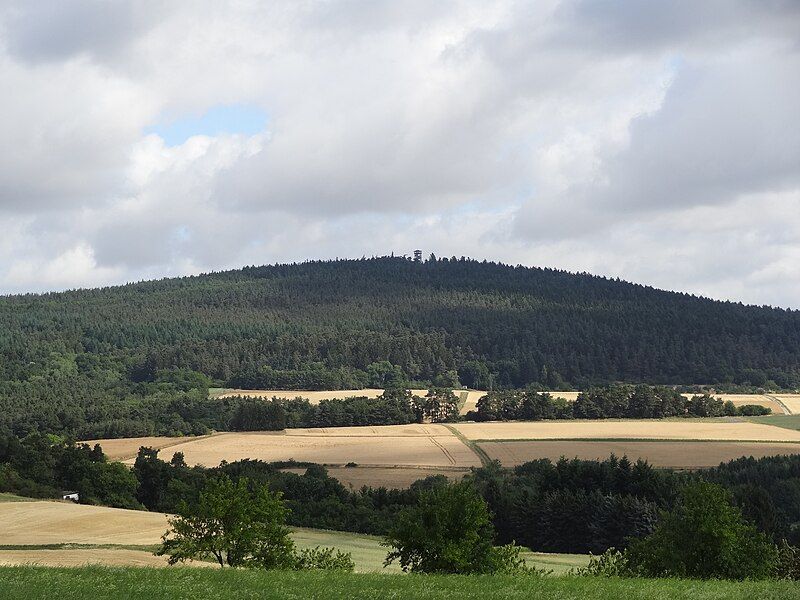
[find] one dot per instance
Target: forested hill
(334, 324)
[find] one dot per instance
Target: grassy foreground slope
(120, 583)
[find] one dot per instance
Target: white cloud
(652, 141)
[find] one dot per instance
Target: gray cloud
(652, 141)
(41, 31)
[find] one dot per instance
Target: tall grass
(99, 583)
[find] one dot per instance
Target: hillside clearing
(41, 523)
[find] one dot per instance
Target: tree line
(606, 402)
(395, 406)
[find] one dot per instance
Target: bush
(506, 559)
(753, 410)
(704, 537)
(236, 525)
(611, 563)
(448, 531)
(788, 564)
(328, 559)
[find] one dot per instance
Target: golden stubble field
(397, 455)
(790, 401)
(385, 446)
(683, 429)
(43, 522)
(676, 455)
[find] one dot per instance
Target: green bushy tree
(232, 523)
(706, 537)
(449, 531)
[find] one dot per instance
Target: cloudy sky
(654, 141)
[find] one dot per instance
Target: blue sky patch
(232, 119)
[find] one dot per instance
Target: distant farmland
(397, 455)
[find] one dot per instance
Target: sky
(658, 142)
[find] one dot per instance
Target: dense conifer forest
(139, 358)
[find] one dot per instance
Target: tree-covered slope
(331, 324)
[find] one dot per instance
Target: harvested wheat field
(391, 445)
(742, 399)
(388, 477)
(126, 448)
(77, 557)
(42, 522)
(678, 455)
(790, 401)
(686, 429)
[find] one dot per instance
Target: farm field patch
(391, 445)
(77, 557)
(678, 455)
(679, 429)
(125, 448)
(742, 399)
(790, 401)
(47, 523)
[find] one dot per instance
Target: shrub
(611, 563)
(787, 565)
(704, 537)
(328, 559)
(448, 531)
(753, 410)
(233, 524)
(506, 559)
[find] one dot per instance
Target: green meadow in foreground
(100, 583)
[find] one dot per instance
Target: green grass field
(6, 497)
(785, 421)
(32, 583)
(368, 554)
